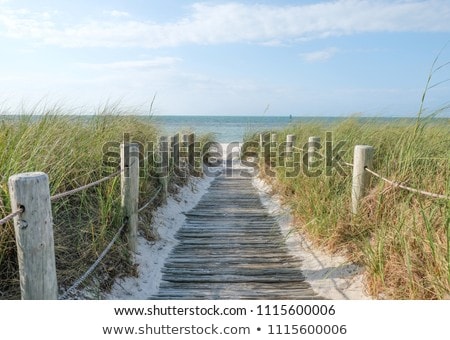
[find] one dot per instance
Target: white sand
(330, 276)
(151, 256)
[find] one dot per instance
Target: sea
(228, 129)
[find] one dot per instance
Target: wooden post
(290, 141)
(264, 144)
(191, 154)
(164, 152)
(273, 150)
(261, 142)
(34, 236)
(362, 158)
(176, 150)
(185, 151)
(129, 155)
(273, 140)
(313, 146)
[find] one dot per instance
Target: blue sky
(320, 58)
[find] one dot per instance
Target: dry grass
(70, 150)
(400, 237)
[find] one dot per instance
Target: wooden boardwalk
(231, 248)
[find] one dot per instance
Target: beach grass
(70, 149)
(400, 238)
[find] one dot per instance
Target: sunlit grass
(70, 150)
(401, 238)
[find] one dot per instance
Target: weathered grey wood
(184, 154)
(230, 247)
(362, 158)
(191, 154)
(34, 235)
(313, 147)
(273, 150)
(175, 150)
(290, 141)
(237, 290)
(264, 139)
(164, 173)
(261, 142)
(129, 155)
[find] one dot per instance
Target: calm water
(226, 129)
(229, 129)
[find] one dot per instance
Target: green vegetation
(401, 238)
(70, 150)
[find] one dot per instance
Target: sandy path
(331, 277)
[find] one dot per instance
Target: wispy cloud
(133, 64)
(321, 55)
(234, 23)
(117, 14)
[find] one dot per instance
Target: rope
(94, 265)
(84, 187)
(397, 184)
(10, 216)
(107, 249)
(151, 200)
(87, 186)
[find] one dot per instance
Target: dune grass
(401, 238)
(70, 150)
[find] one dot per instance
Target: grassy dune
(401, 238)
(70, 150)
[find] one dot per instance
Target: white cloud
(134, 64)
(235, 23)
(118, 14)
(321, 55)
(23, 23)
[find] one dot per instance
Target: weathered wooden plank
(198, 234)
(233, 260)
(226, 286)
(234, 293)
(234, 266)
(230, 247)
(233, 278)
(275, 253)
(241, 258)
(207, 246)
(257, 272)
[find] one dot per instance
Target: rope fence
(57, 197)
(10, 216)
(84, 187)
(399, 185)
(313, 150)
(362, 164)
(29, 198)
(100, 258)
(94, 266)
(347, 164)
(141, 209)
(34, 232)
